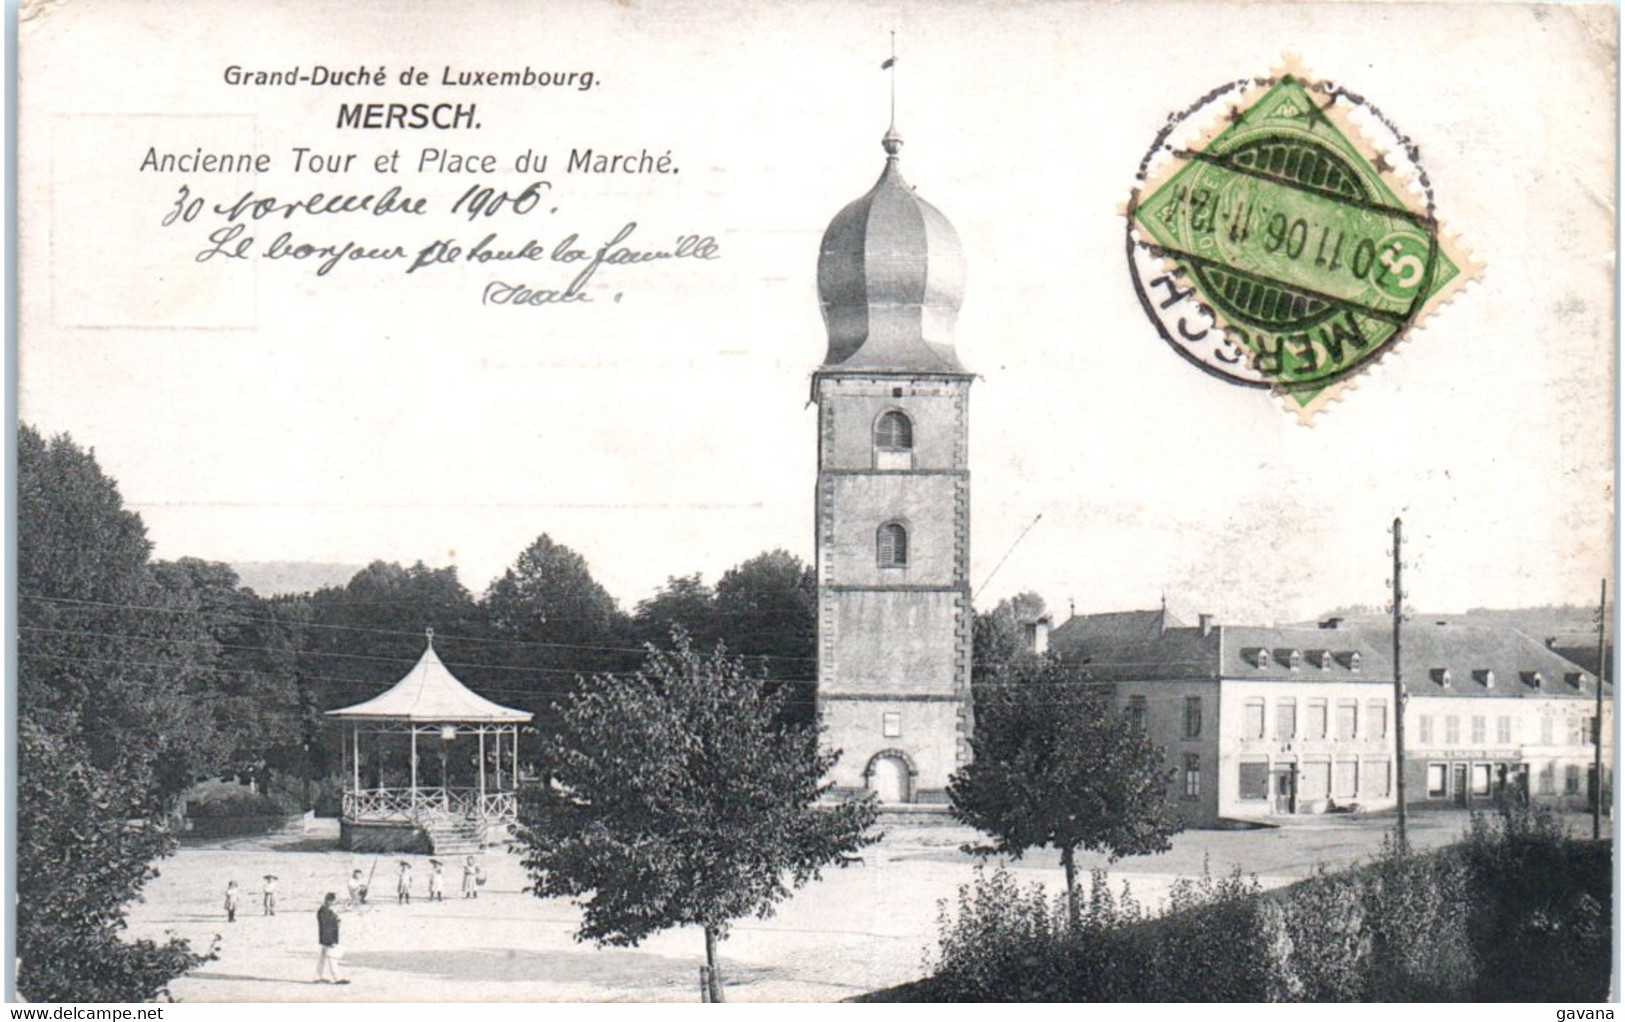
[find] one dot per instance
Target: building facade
(893, 496)
(1491, 708)
(1260, 722)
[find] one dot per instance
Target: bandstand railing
(405, 805)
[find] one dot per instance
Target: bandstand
(429, 727)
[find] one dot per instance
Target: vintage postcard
(771, 501)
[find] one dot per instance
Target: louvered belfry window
(891, 546)
(893, 432)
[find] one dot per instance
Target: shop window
(1254, 777)
(1438, 780)
(1347, 778)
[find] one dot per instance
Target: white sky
(255, 412)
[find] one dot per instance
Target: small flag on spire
(888, 62)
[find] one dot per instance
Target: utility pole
(1399, 689)
(1596, 722)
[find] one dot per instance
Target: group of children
(267, 897)
(473, 880)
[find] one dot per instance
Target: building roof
(1512, 659)
(1582, 650)
(1113, 627)
(430, 694)
(1481, 661)
(891, 274)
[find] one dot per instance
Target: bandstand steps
(452, 837)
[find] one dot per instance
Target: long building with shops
(1263, 721)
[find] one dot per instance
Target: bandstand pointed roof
(431, 694)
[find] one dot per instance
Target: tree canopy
(1054, 765)
(999, 637)
(113, 664)
(680, 797)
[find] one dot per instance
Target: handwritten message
(517, 227)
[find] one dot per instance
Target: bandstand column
(414, 763)
(482, 767)
(498, 758)
(355, 757)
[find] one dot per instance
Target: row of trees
(137, 677)
(683, 782)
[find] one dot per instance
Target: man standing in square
(327, 931)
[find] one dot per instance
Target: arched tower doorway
(890, 776)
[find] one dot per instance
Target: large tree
(112, 727)
(767, 611)
(685, 602)
(86, 842)
(679, 796)
(1055, 765)
(999, 637)
(552, 623)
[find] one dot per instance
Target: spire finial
(428, 633)
(892, 142)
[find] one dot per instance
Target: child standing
(358, 889)
(231, 901)
(270, 894)
(470, 872)
(403, 884)
(437, 881)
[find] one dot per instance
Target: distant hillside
(1565, 622)
(279, 578)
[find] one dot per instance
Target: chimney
(1204, 622)
(1332, 623)
(1038, 635)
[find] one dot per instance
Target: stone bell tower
(893, 499)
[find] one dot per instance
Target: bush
(1542, 908)
(1516, 911)
(221, 802)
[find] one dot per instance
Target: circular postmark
(1281, 235)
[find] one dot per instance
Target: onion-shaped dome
(891, 274)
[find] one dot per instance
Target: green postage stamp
(1282, 235)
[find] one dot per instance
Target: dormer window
(1441, 676)
(1323, 659)
(891, 546)
(1261, 659)
(1534, 679)
(1485, 678)
(1354, 660)
(1575, 679)
(1294, 659)
(894, 441)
